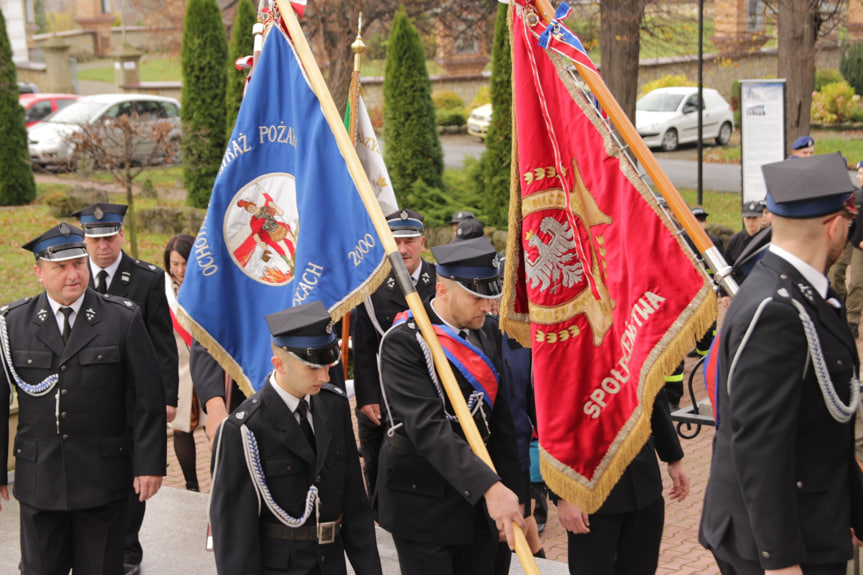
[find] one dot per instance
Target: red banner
(608, 295)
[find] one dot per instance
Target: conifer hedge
(497, 158)
(204, 57)
(17, 185)
(242, 44)
(412, 152)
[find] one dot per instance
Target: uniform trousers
(133, 551)
(618, 543)
(846, 277)
(88, 541)
(476, 558)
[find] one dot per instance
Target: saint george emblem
(260, 228)
(42, 314)
(98, 213)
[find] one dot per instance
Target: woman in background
(176, 254)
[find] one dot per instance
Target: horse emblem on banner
(260, 228)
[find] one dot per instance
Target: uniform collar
(816, 278)
(111, 269)
(76, 305)
(290, 400)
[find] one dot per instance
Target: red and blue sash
(468, 359)
(711, 374)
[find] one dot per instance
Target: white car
(50, 141)
(666, 117)
(479, 121)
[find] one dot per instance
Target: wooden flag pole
(355, 168)
(678, 206)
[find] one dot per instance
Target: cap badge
(98, 213)
(404, 214)
(329, 328)
(495, 261)
(65, 229)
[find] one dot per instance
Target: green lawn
(850, 143)
(153, 69)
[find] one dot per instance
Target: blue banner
(285, 225)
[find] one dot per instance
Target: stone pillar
(738, 26)
(58, 76)
(127, 65)
(854, 23)
(91, 17)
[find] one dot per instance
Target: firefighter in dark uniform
(624, 535)
(112, 271)
(91, 424)
(288, 492)
(373, 319)
(442, 504)
(779, 492)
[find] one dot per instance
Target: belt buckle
(326, 532)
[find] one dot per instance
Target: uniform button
(466, 493)
(63, 414)
(65, 436)
(99, 356)
(323, 558)
(18, 450)
(414, 486)
(338, 452)
(799, 485)
(765, 554)
(29, 361)
(64, 391)
(290, 467)
(838, 362)
(63, 368)
(317, 478)
(254, 401)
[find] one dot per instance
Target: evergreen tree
(413, 151)
(242, 44)
(497, 158)
(852, 66)
(17, 185)
(204, 54)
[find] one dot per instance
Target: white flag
(369, 152)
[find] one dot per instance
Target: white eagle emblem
(556, 261)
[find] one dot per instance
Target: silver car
(52, 142)
(667, 117)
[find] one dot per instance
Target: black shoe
(192, 486)
(854, 330)
(131, 568)
(540, 553)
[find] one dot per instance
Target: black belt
(322, 532)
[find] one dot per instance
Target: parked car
(50, 141)
(479, 121)
(667, 117)
(37, 107)
(27, 88)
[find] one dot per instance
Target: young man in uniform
(444, 507)
(778, 497)
(91, 424)
(112, 271)
(287, 492)
(375, 317)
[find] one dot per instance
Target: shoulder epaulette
(334, 389)
(245, 410)
(10, 306)
(152, 268)
(118, 300)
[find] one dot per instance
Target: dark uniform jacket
(290, 467)
(144, 284)
(110, 420)
(779, 488)
(433, 492)
(736, 244)
(387, 301)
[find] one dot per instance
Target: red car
(37, 107)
